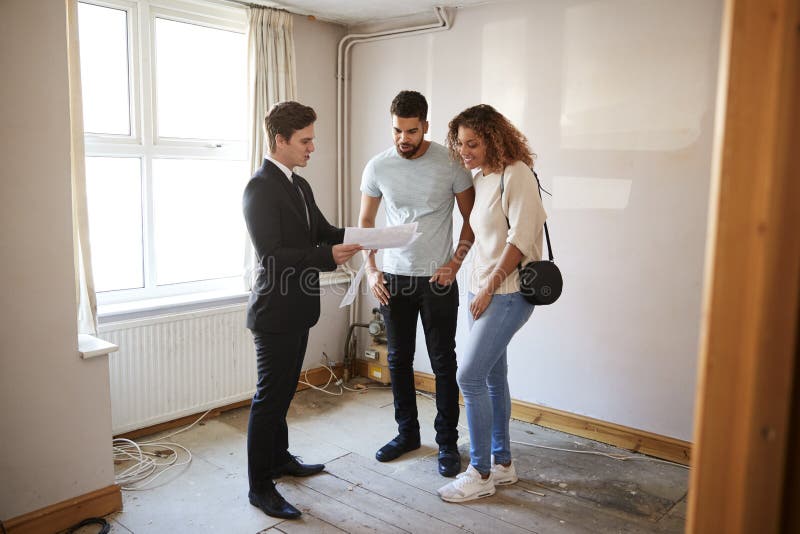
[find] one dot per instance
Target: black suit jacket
(290, 251)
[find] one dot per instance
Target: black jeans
(279, 358)
(410, 298)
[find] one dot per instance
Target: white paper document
(352, 291)
(375, 238)
(388, 237)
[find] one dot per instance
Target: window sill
(141, 309)
(92, 347)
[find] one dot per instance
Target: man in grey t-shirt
(420, 184)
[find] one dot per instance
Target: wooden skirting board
(632, 439)
(60, 516)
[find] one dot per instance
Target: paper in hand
(376, 238)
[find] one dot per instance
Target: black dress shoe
(273, 504)
(396, 448)
(449, 461)
(296, 469)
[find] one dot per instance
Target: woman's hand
(479, 304)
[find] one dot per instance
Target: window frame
(144, 142)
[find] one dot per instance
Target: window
(165, 103)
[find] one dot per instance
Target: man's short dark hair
(285, 118)
(408, 104)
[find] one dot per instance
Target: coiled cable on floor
(151, 459)
(104, 526)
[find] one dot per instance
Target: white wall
(617, 99)
(55, 421)
(315, 45)
(315, 56)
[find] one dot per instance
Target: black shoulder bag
(540, 282)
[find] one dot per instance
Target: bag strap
(539, 189)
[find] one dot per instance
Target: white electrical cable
(613, 456)
(324, 388)
(363, 388)
(147, 466)
(151, 459)
(336, 380)
(182, 429)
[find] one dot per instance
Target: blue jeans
(483, 378)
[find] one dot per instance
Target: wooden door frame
(749, 326)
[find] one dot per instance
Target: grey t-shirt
(418, 190)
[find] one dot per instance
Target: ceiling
(357, 12)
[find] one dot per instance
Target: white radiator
(172, 366)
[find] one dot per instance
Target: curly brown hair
(504, 143)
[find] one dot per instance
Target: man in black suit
(293, 243)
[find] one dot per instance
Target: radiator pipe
(349, 356)
(343, 183)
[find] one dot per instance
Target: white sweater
(523, 207)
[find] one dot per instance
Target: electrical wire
(613, 456)
(328, 383)
(331, 378)
(184, 429)
(360, 388)
(150, 459)
(336, 381)
(105, 528)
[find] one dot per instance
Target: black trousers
(279, 358)
(412, 297)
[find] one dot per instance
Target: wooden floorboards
(360, 495)
(558, 492)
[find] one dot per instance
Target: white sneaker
(503, 475)
(467, 486)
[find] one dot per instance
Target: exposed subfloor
(558, 492)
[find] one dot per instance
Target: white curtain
(271, 79)
(84, 280)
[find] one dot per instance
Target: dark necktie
(301, 199)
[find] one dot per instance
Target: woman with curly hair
(508, 232)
